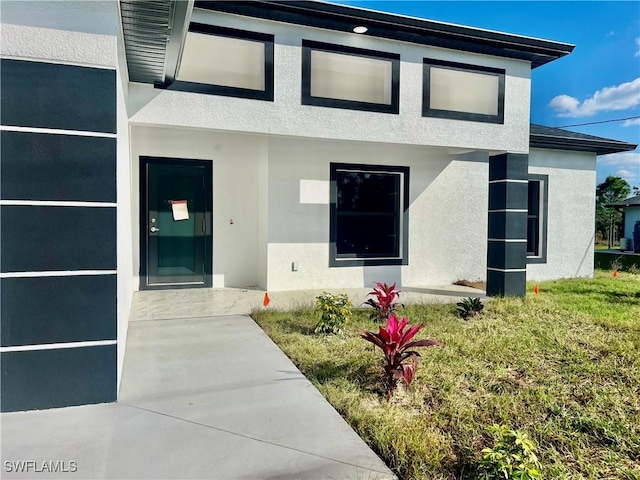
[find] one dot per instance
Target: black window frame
(223, 90)
(427, 111)
(542, 219)
(307, 99)
(352, 260)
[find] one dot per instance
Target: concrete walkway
(204, 394)
(205, 397)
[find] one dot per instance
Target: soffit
(153, 32)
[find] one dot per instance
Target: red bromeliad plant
(396, 346)
(384, 302)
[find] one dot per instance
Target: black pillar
(58, 282)
(507, 232)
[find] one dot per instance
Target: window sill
(367, 262)
(534, 260)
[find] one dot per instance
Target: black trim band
(38, 166)
(506, 255)
(65, 97)
(508, 195)
(506, 283)
(39, 310)
(506, 225)
(38, 379)
(37, 238)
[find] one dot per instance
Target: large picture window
(537, 219)
(352, 78)
(225, 61)
(369, 215)
(462, 92)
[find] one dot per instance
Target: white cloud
(630, 123)
(638, 43)
(630, 177)
(626, 160)
(626, 165)
(619, 97)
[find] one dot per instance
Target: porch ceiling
(153, 33)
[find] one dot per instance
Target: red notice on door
(180, 210)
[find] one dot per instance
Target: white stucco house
(275, 144)
(630, 209)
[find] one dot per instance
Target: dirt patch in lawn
(473, 284)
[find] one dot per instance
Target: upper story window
(353, 78)
(225, 61)
(462, 92)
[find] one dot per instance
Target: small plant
(512, 456)
(396, 347)
(469, 307)
(383, 304)
(334, 311)
(617, 263)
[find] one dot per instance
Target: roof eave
(599, 147)
(396, 27)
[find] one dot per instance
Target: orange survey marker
(615, 272)
(536, 289)
(266, 300)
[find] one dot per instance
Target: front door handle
(154, 229)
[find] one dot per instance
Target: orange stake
(536, 289)
(266, 300)
(615, 272)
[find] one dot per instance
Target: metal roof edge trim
(538, 51)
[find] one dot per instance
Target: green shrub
(334, 311)
(469, 307)
(511, 457)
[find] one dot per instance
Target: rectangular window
(225, 61)
(537, 219)
(369, 215)
(352, 78)
(462, 92)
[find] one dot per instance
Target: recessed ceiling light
(360, 29)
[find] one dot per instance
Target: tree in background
(608, 220)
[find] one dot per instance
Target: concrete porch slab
(207, 302)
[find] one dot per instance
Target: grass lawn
(563, 366)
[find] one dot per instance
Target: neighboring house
(631, 220)
(157, 145)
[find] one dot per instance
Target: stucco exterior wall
(571, 213)
(286, 115)
(447, 214)
(276, 192)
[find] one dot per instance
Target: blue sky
(599, 81)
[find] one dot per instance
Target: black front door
(175, 223)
